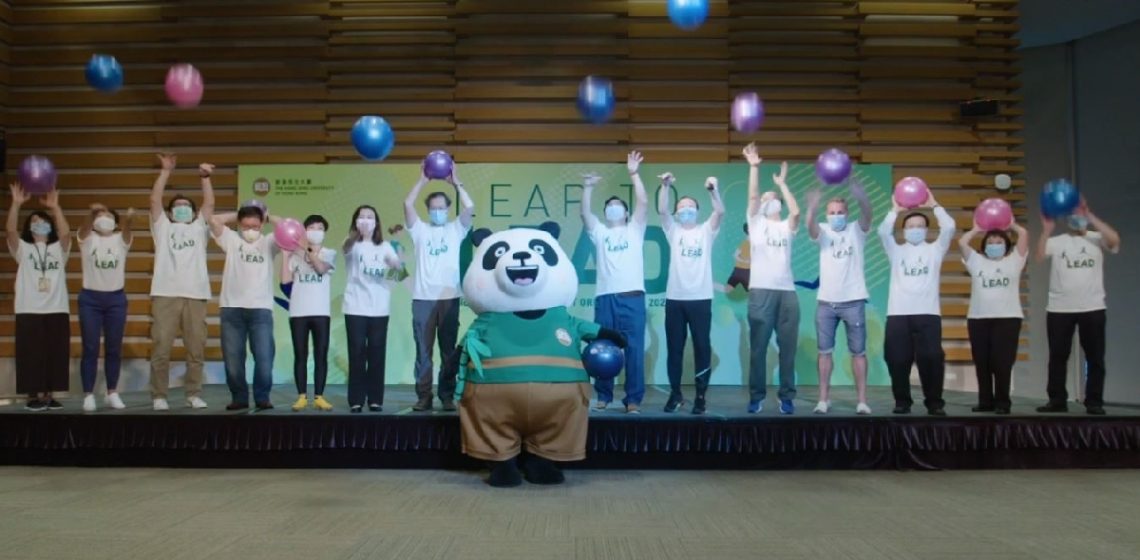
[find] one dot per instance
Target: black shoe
(373, 407)
(699, 405)
(901, 409)
(423, 404)
(1095, 410)
(264, 405)
(1002, 410)
(504, 474)
(449, 405)
(984, 408)
(1053, 407)
(53, 404)
(355, 409)
(537, 470)
(35, 405)
(936, 411)
(237, 406)
(675, 402)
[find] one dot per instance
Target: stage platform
(724, 438)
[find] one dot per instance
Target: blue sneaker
(755, 407)
(787, 406)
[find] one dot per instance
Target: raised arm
(410, 215)
(127, 230)
(218, 222)
(753, 158)
(887, 229)
(12, 224)
(640, 197)
(964, 241)
(1111, 238)
(304, 251)
(466, 205)
(1047, 225)
(589, 181)
(663, 201)
(63, 230)
(813, 197)
(204, 172)
(88, 222)
(168, 162)
(946, 225)
(1022, 239)
(717, 204)
(789, 200)
(865, 213)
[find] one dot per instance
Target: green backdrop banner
(508, 195)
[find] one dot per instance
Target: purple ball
(747, 112)
(833, 167)
(37, 175)
(438, 164)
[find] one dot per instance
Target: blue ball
(104, 73)
(596, 99)
(603, 359)
(373, 137)
(1059, 198)
(688, 14)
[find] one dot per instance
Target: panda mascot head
(520, 269)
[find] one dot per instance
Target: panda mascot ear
(479, 235)
(552, 228)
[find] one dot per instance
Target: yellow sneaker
(320, 403)
(301, 403)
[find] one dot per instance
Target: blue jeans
(625, 314)
(102, 315)
(255, 326)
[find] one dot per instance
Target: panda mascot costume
(524, 395)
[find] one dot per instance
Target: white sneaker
(862, 408)
(112, 400)
(89, 403)
(196, 402)
(822, 407)
(161, 404)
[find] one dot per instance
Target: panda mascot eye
(493, 254)
(544, 250)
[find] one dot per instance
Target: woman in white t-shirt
(43, 320)
(994, 318)
(103, 249)
(307, 270)
(371, 266)
(689, 289)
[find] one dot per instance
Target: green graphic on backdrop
(508, 195)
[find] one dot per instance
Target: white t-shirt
(437, 259)
(41, 265)
(180, 259)
(841, 275)
(916, 270)
(690, 261)
(104, 261)
(1076, 272)
(619, 257)
(995, 286)
(368, 291)
(247, 280)
(771, 242)
(310, 296)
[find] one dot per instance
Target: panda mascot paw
(523, 390)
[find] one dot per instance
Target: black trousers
(1060, 328)
(302, 328)
(367, 348)
(693, 318)
(914, 339)
(43, 352)
(993, 345)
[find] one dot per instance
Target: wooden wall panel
(495, 80)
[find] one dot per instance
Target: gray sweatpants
(772, 310)
(432, 320)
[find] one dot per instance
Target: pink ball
(288, 234)
(911, 192)
(993, 213)
(184, 86)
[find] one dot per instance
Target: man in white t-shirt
(772, 302)
(247, 304)
(914, 306)
(842, 293)
(435, 286)
(619, 301)
(180, 287)
(1076, 301)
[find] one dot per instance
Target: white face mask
(365, 225)
(250, 235)
(615, 213)
(104, 224)
(770, 207)
(315, 236)
(182, 214)
(915, 235)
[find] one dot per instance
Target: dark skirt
(43, 352)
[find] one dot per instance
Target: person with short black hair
(307, 270)
(43, 316)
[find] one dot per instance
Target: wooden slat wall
(494, 80)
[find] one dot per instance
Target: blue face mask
(438, 217)
(1078, 222)
(615, 213)
(41, 228)
(182, 214)
(687, 215)
(914, 236)
(995, 251)
(838, 222)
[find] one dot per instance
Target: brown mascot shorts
(550, 419)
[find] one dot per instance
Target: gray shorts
(854, 317)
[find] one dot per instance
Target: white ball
(1003, 182)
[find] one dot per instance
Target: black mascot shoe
(537, 470)
(504, 474)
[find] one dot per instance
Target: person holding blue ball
(1076, 301)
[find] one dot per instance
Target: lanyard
(41, 258)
